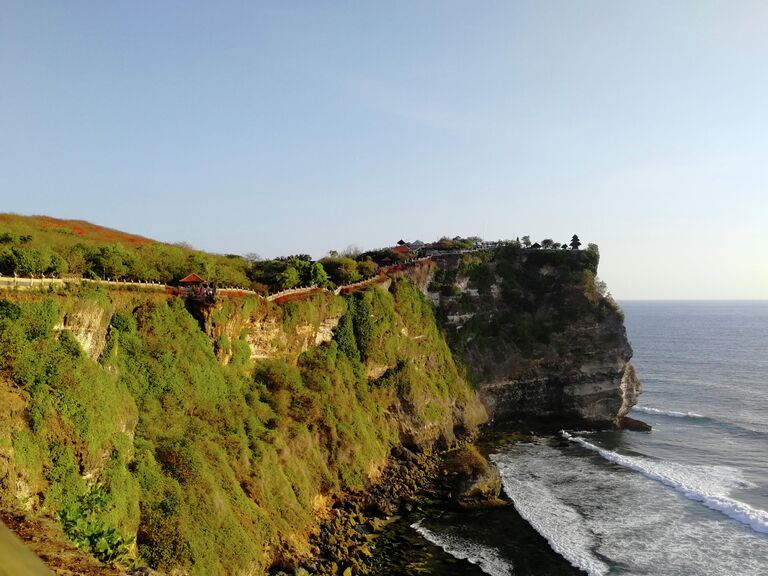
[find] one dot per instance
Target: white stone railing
(292, 291)
(15, 283)
(30, 283)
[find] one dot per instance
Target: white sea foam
(708, 486)
(555, 520)
(672, 413)
(484, 557)
(623, 517)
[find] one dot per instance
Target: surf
(709, 491)
(671, 413)
(484, 557)
(558, 522)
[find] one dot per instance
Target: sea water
(689, 498)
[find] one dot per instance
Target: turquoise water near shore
(690, 498)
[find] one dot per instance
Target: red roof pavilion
(192, 279)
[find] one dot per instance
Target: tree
(202, 264)
(318, 275)
(367, 268)
(341, 270)
(23, 262)
(77, 259)
(351, 251)
(288, 278)
(527, 241)
(575, 242)
(56, 265)
(592, 257)
(547, 243)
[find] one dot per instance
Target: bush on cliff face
(216, 469)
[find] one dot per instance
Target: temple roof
(192, 279)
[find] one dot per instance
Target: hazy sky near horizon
(285, 127)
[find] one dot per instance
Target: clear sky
(284, 127)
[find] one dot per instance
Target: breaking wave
(561, 524)
(707, 487)
(672, 413)
(700, 419)
(484, 557)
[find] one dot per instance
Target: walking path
(15, 283)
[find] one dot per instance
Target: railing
(292, 291)
(237, 291)
(348, 287)
(30, 283)
(15, 283)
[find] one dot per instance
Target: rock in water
(627, 423)
(471, 480)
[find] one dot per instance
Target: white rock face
(630, 390)
(88, 323)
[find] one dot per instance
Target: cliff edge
(540, 337)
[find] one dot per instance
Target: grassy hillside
(118, 418)
(41, 245)
(34, 245)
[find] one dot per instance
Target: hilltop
(37, 245)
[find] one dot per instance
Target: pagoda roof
(192, 279)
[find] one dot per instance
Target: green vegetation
(456, 243)
(36, 245)
(86, 531)
(212, 461)
(540, 293)
(289, 272)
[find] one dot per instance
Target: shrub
(81, 525)
(9, 310)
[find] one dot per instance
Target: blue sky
(284, 127)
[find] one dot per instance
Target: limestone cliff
(269, 330)
(212, 439)
(539, 337)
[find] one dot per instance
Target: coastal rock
(627, 423)
(471, 480)
(630, 390)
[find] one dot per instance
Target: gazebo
(191, 280)
(195, 286)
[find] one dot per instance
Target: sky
(301, 127)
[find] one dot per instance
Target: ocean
(689, 498)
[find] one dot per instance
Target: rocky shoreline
(360, 532)
(372, 532)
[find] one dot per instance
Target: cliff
(200, 437)
(213, 439)
(543, 343)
